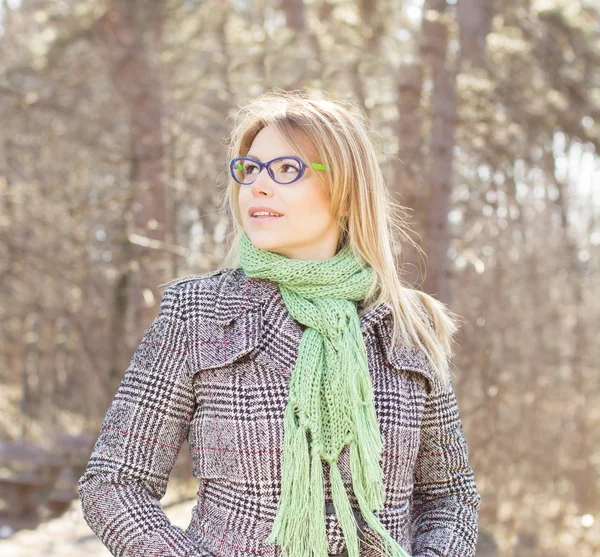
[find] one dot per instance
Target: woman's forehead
(270, 143)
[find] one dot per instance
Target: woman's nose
(263, 182)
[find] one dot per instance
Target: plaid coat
(214, 367)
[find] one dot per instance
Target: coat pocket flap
(215, 343)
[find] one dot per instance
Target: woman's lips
(264, 218)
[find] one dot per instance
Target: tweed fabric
(214, 368)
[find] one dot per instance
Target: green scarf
(330, 397)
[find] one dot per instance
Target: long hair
(337, 133)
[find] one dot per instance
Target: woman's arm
(139, 441)
(446, 503)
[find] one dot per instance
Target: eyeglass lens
(284, 170)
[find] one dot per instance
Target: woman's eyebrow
(257, 159)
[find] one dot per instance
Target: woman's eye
(249, 167)
(286, 166)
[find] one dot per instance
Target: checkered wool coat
(214, 367)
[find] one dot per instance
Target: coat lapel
(250, 313)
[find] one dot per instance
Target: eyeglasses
(284, 170)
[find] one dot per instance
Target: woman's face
(306, 229)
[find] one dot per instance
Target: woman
(312, 386)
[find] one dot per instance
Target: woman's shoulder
(207, 286)
(200, 281)
(219, 295)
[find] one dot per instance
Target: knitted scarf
(330, 398)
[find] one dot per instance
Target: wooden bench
(33, 477)
(27, 477)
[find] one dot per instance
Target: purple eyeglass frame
(261, 165)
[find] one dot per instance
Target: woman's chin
(266, 241)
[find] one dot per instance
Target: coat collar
(239, 298)
(238, 293)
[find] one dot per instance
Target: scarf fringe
(391, 548)
(318, 542)
(299, 527)
(291, 526)
(343, 510)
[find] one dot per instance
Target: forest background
(113, 121)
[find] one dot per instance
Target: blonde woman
(312, 385)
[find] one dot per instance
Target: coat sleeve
(446, 502)
(140, 438)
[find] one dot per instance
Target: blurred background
(114, 116)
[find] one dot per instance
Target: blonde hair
(337, 133)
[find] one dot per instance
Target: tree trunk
(130, 36)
